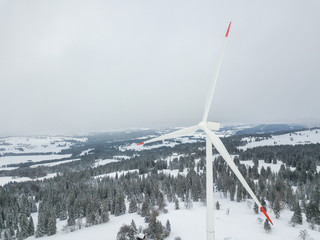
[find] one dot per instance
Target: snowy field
(46, 144)
(86, 152)
(100, 162)
(5, 180)
(54, 163)
(302, 137)
(6, 160)
(274, 167)
(4, 168)
(190, 224)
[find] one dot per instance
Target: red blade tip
(228, 29)
(140, 143)
(264, 212)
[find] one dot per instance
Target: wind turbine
(212, 139)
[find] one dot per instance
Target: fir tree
(63, 211)
(297, 215)
(132, 231)
(267, 226)
(217, 205)
(133, 206)
(239, 193)
(52, 223)
(312, 212)
(41, 227)
(167, 229)
(256, 208)
(71, 216)
(123, 233)
(31, 227)
(277, 208)
(176, 204)
(303, 235)
(144, 209)
(24, 232)
(105, 213)
(120, 207)
(152, 227)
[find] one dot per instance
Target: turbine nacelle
(213, 126)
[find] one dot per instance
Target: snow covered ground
(302, 137)
(5, 180)
(86, 152)
(54, 163)
(45, 144)
(274, 167)
(4, 168)
(100, 162)
(6, 160)
(240, 224)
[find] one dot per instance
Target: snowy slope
(6, 160)
(301, 137)
(240, 224)
(46, 144)
(5, 180)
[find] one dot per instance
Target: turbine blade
(179, 133)
(214, 81)
(217, 143)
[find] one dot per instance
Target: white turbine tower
(212, 139)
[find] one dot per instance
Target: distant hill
(269, 128)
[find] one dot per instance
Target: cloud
(80, 66)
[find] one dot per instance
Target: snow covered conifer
(24, 233)
(120, 206)
(52, 223)
(277, 208)
(31, 227)
(105, 213)
(297, 215)
(133, 206)
(217, 205)
(267, 226)
(255, 208)
(176, 204)
(312, 212)
(304, 235)
(167, 229)
(123, 233)
(71, 217)
(132, 231)
(144, 209)
(41, 227)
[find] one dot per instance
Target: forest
(79, 195)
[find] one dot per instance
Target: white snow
(54, 163)
(5, 180)
(86, 152)
(3, 168)
(136, 147)
(302, 137)
(30, 158)
(100, 162)
(43, 144)
(240, 224)
(274, 167)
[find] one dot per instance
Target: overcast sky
(82, 66)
